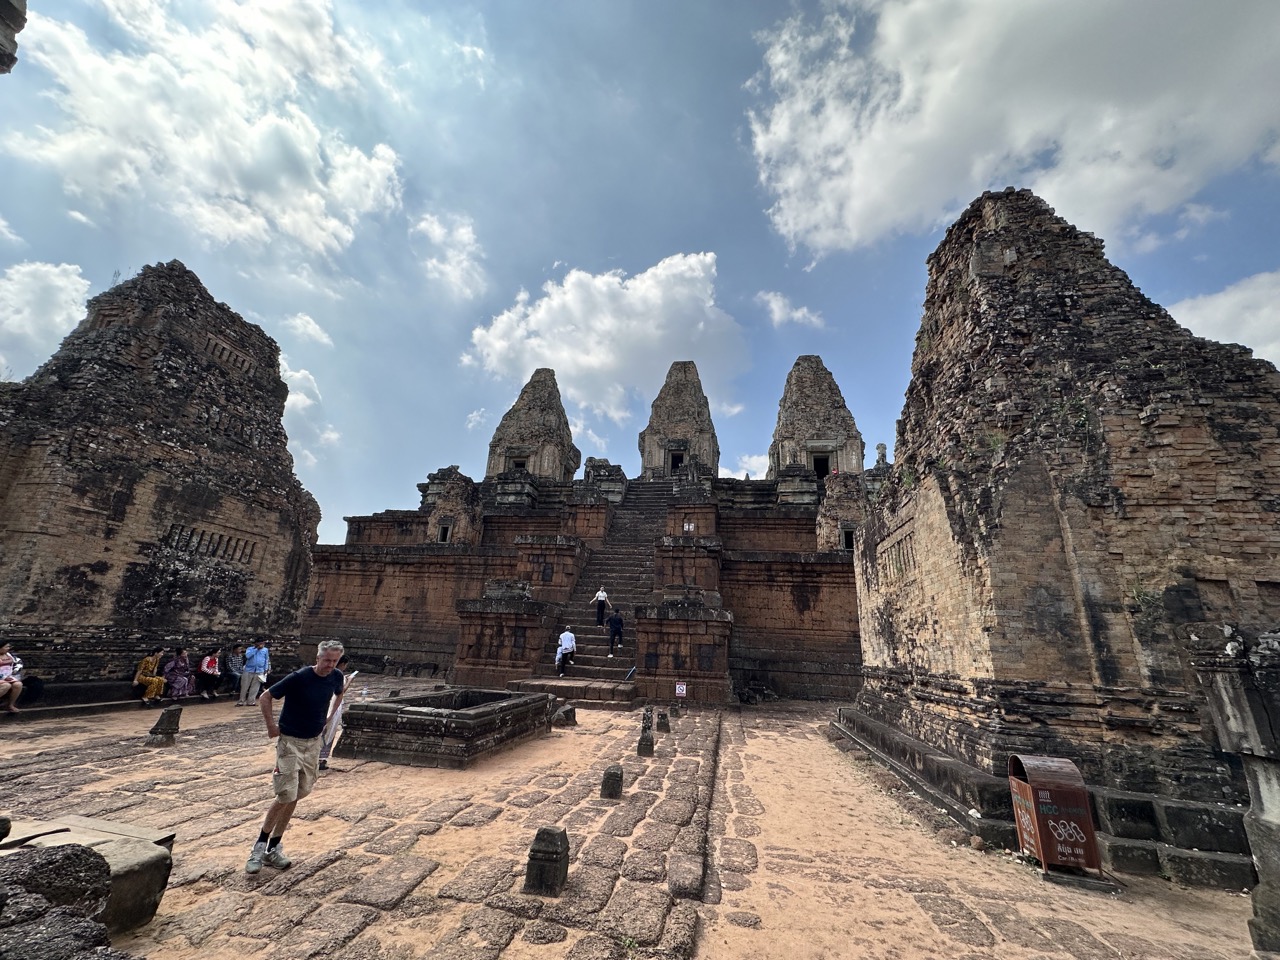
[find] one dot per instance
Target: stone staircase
(624, 566)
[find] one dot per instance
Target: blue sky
(424, 202)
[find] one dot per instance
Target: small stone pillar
(645, 747)
(674, 711)
(548, 868)
(166, 727)
(611, 783)
(664, 725)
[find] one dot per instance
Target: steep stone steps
(624, 566)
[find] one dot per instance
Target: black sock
(273, 843)
(262, 837)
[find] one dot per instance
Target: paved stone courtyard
(809, 852)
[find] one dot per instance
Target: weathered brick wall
(390, 528)
(683, 643)
(550, 565)
(1079, 483)
(779, 528)
(147, 488)
(398, 602)
(795, 622)
(501, 531)
(687, 561)
(692, 520)
(503, 640)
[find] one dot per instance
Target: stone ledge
(958, 787)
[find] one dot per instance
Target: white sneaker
(611, 656)
(276, 858)
(256, 856)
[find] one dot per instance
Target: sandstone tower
(13, 17)
(1081, 486)
(680, 433)
(146, 490)
(815, 428)
(534, 434)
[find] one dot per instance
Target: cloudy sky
(424, 202)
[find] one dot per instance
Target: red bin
(1052, 813)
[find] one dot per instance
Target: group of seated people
(216, 671)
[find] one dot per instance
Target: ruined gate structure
(722, 582)
(146, 493)
(1081, 487)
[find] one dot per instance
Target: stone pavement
(747, 833)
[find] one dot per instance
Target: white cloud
(754, 466)
(609, 335)
(39, 304)
(6, 232)
(1246, 312)
(584, 436)
(209, 123)
(302, 416)
(782, 312)
(307, 329)
(477, 418)
(888, 116)
(457, 263)
(79, 217)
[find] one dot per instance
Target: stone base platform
(140, 860)
(1198, 844)
(450, 728)
(587, 692)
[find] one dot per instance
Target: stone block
(1126, 815)
(1204, 826)
(1123, 855)
(139, 876)
(685, 873)
(1227, 871)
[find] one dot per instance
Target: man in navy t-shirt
(307, 694)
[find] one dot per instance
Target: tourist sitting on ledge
(177, 673)
(209, 674)
(148, 677)
(10, 679)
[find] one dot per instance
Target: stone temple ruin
(146, 492)
(722, 582)
(1084, 495)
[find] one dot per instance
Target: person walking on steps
(602, 601)
(564, 652)
(615, 631)
(307, 694)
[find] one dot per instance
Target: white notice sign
(681, 689)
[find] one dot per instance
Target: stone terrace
(806, 854)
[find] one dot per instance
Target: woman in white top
(602, 601)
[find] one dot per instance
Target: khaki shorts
(297, 766)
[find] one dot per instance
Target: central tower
(680, 432)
